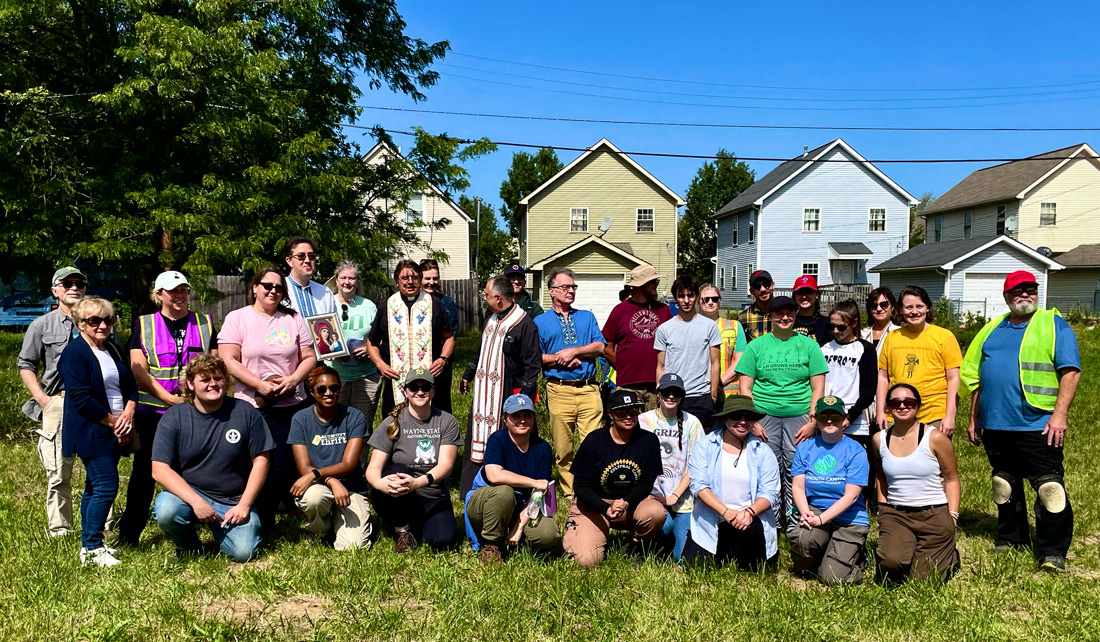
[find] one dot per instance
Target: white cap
(170, 280)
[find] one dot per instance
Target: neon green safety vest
(1038, 377)
(729, 328)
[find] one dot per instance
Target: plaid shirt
(755, 322)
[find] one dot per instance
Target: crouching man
(211, 454)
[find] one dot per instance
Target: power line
(602, 121)
(785, 87)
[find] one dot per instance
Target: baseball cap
(169, 280)
(514, 268)
(641, 275)
(1018, 278)
(760, 275)
(670, 380)
(518, 402)
(738, 403)
(620, 398)
(780, 302)
(64, 272)
(829, 403)
(805, 281)
(419, 374)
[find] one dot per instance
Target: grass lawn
(302, 590)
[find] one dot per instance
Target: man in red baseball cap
(1022, 371)
(809, 321)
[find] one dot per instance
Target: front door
(845, 273)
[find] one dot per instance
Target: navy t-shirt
(213, 452)
(325, 441)
(536, 463)
(828, 469)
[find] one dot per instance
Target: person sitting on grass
(827, 478)
(518, 466)
(326, 440)
(415, 448)
(211, 454)
(613, 474)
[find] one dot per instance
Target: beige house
(601, 216)
(422, 211)
(1051, 200)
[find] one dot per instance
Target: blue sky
(1044, 63)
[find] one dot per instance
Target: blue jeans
(677, 525)
(177, 519)
(100, 488)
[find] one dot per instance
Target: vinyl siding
(1076, 190)
(984, 220)
(998, 259)
(844, 192)
(607, 186)
(736, 258)
(930, 280)
(591, 259)
(454, 238)
(1073, 288)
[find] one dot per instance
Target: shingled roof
(1081, 256)
(946, 254)
(1002, 182)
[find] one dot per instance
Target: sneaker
(55, 534)
(102, 557)
(490, 555)
(1053, 563)
(406, 542)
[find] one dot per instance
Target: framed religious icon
(328, 338)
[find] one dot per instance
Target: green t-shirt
(360, 315)
(782, 371)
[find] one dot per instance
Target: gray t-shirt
(687, 345)
(325, 441)
(418, 443)
(213, 452)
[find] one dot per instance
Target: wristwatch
(316, 474)
(431, 479)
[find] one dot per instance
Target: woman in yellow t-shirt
(924, 356)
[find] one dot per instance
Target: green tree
(715, 184)
(527, 172)
(916, 221)
(144, 134)
(495, 248)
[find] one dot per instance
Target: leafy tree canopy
(715, 184)
(916, 222)
(528, 171)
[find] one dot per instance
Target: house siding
(609, 187)
(984, 221)
(735, 258)
(1076, 190)
(844, 192)
(931, 280)
(454, 239)
(998, 259)
(1073, 288)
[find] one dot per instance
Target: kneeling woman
(918, 493)
(614, 471)
(326, 440)
(827, 478)
(414, 452)
(518, 464)
(735, 480)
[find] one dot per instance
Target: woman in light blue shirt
(735, 481)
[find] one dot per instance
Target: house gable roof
(1081, 256)
(787, 171)
(1006, 181)
(947, 254)
(381, 147)
(604, 145)
(591, 238)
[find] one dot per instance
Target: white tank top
(914, 480)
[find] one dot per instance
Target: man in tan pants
(46, 337)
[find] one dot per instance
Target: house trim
(1050, 263)
(1058, 167)
(542, 263)
(380, 145)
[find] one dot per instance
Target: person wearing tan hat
(46, 338)
(630, 330)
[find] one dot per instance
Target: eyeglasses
(762, 285)
(418, 386)
(567, 288)
(321, 390)
(344, 306)
(671, 393)
(881, 305)
(908, 403)
(1031, 290)
(304, 256)
(271, 286)
(839, 327)
(95, 322)
(784, 313)
(711, 299)
(409, 277)
(68, 285)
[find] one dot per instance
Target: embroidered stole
(489, 393)
(410, 335)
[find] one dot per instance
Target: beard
(1022, 308)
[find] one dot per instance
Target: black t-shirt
(536, 463)
(604, 470)
(176, 327)
(816, 327)
(213, 452)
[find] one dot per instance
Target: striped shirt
(310, 299)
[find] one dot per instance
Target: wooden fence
(830, 295)
(235, 291)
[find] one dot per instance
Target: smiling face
(902, 404)
(761, 290)
(783, 318)
(347, 282)
(208, 387)
(805, 298)
(1022, 300)
(739, 424)
(913, 310)
(419, 394)
(626, 419)
(70, 290)
(408, 281)
(174, 302)
(882, 310)
(830, 423)
(519, 281)
(269, 292)
(302, 261)
(669, 398)
(429, 280)
(326, 390)
(520, 423)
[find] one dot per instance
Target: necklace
(741, 451)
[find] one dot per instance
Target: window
(811, 219)
(578, 219)
(810, 269)
(1002, 214)
(968, 225)
(736, 220)
(414, 213)
(876, 219)
(733, 278)
(1048, 213)
(937, 229)
(752, 228)
(748, 275)
(645, 220)
(721, 278)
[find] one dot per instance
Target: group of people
(718, 434)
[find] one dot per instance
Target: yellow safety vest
(1038, 377)
(729, 328)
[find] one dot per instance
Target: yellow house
(421, 213)
(602, 215)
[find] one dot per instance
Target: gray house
(1076, 286)
(828, 213)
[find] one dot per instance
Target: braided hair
(394, 429)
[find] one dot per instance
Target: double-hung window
(876, 219)
(968, 225)
(578, 219)
(645, 220)
(1048, 214)
(414, 213)
(811, 219)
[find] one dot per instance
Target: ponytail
(680, 426)
(394, 429)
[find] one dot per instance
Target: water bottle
(534, 505)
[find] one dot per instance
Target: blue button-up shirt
(559, 331)
(310, 299)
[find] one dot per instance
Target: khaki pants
(916, 544)
(493, 511)
(351, 523)
(571, 408)
(59, 469)
(647, 392)
(834, 552)
(586, 530)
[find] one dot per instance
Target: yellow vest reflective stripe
(728, 328)
(167, 374)
(1038, 377)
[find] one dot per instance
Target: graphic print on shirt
(911, 362)
(280, 337)
(425, 452)
(841, 360)
(233, 435)
(824, 466)
(330, 440)
(644, 324)
(620, 476)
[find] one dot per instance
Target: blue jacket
(86, 400)
(704, 467)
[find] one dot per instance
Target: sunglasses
(344, 306)
(741, 416)
(830, 417)
(95, 322)
(839, 327)
(322, 390)
(623, 413)
(908, 403)
(1032, 290)
(762, 285)
(784, 313)
(68, 285)
(881, 305)
(271, 286)
(304, 256)
(711, 299)
(671, 393)
(417, 386)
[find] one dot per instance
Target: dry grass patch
(294, 612)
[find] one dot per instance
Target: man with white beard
(1022, 371)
